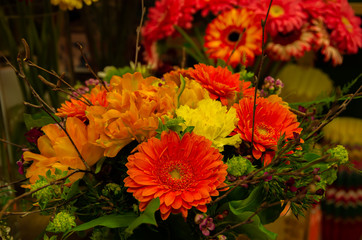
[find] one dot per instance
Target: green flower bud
(111, 188)
(62, 222)
(238, 166)
(339, 153)
(45, 194)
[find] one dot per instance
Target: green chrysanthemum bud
(45, 194)
(111, 188)
(339, 153)
(62, 222)
(238, 166)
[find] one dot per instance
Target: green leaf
(311, 156)
(99, 165)
(110, 221)
(73, 190)
(270, 214)
(253, 229)
(148, 216)
(38, 120)
(251, 203)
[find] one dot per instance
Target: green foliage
(148, 216)
(109, 221)
(239, 166)
(62, 221)
(173, 124)
(38, 120)
(340, 153)
(47, 193)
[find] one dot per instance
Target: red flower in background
(284, 16)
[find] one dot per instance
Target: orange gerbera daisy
(57, 151)
(220, 82)
(223, 33)
(77, 107)
(183, 173)
(272, 120)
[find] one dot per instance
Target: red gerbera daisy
(220, 82)
(284, 16)
(345, 27)
(223, 33)
(272, 120)
(164, 16)
(183, 173)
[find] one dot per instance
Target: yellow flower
(212, 120)
(57, 151)
(71, 4)
(193, 92)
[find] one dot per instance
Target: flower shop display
(207, 151)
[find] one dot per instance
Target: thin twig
(138, 30)
(10, 202)
(12, 183)
(257, 76)
(334, 113)
(80, 47)
(13, 144)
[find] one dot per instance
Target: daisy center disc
(234, 36)
(264, 130)
(276, 11)
(175, 175)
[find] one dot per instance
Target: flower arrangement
(198, 153)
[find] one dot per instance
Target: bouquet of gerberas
(231, 30)
(198, 153)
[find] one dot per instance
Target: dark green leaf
(110, 221)
(38, 120)
(73, 190)
(148, 216)
(251, 203)
(99, 165)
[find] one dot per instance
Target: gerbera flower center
(288, 38)
(175, 175)
(276, 11)
(265, 130)
(233, 36)
(347, 24)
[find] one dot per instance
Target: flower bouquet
(195, 153)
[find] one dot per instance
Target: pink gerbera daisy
(322, 42)
(284, 16)
(293, 44)
(345, 27)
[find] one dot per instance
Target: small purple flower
(33, 134)
(268, 177)
(206, 226)
(290, 182)
(20, 164)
